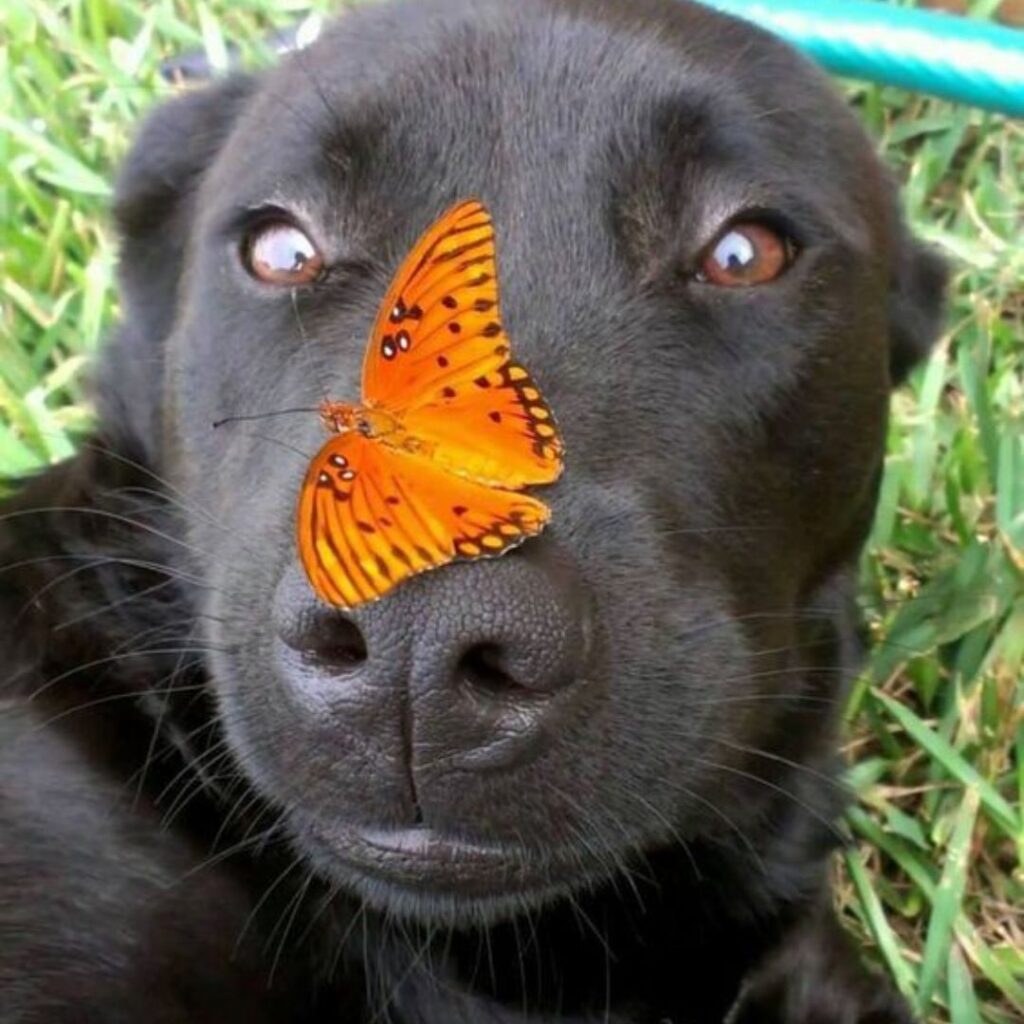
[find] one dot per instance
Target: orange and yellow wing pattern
(439, 359)
(371, 516)
(475, 430)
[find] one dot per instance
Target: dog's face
(700, 262)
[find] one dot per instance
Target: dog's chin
(419, 874)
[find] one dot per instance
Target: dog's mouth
(427, 872)
(422, 857)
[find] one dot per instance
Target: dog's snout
(485, 658)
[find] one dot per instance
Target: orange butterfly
(425, 469)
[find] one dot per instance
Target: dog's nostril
(483, 667)
(337, 644)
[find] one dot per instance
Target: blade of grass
(878, 924)
(963, 1003)
(948, 900)
(57, 165)
(955, 764)
(1011, 986)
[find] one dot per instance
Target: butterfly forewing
(435, 319)
(440, 359)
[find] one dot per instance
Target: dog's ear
(156, 190)
(154, 207)
(917, 302)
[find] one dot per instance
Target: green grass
(934, 883)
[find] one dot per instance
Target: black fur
(182, 799)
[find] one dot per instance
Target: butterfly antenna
(261, 416)
(307, 352)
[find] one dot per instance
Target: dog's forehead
(399, 110)
(540, 65)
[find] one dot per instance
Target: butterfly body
(377, 424)
(429, 466)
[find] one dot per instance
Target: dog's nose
(508, 630)
(483, 659)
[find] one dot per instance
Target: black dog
(590, 781)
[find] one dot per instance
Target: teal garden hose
(962, 59)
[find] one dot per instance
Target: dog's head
(701, 262)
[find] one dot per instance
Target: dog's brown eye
(280, 253)
(746, 254)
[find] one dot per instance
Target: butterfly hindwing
(370, 516)
(440, 359)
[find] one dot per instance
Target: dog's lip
(421, 852)
(422, 843)
(423, 858)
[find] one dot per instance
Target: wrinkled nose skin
(471, 668)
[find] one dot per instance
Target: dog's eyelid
(238, 220)
(781, 222)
